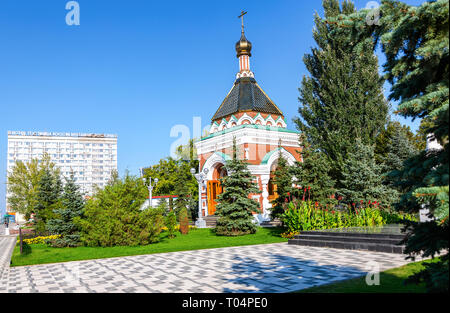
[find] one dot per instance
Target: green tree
(399, 149)
(342, 99)
(175, 178)
(283, 181)
(313, 172)
(362, 179)
(63, 223)
(113, 216)
(171, 223)
(49, 193)
(163, 206)
(234, 207)
(385, 137)
(166, 172)
(23, 181)
(415, 41)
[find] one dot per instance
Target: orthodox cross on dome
(243, 50)
(242, 18)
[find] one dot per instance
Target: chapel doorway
(214, 188)
(271, 186)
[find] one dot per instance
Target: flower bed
(177, 228)
(39, 239)
(304, 215)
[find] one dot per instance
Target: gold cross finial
(242, 18)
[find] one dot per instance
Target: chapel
(258, 125)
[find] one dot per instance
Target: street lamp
(150, 187)
(200, 177)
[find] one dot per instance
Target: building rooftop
(59, 134)
(246, 95)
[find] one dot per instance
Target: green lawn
(391, 281)
(196, 239)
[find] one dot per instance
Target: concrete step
(352, 234)
(211, 220)
(274, 223)
(355, 239)
(379, 247)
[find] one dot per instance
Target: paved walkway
(260, 268)
(7, 244)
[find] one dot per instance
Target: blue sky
(137, 68)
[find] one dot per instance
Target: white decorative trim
(245, 117)
(271, 120)
(245, 74)
(247, 136)
(285, 154)
(228, 124)
(211, 162)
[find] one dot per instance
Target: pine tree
(399, 149)
(63, 223)
(163, 206)
(283, 181)
(415, 41)
(171, 223)
(393, 128)
(416, 47)
(182, 191)
(362, 179)
(313, 173)
(48, 199)
(234, 207)
(342, 99)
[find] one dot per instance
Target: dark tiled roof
(246, 95)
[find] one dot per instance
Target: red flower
(333, 212)
(353, 204)
(288, 193)
(317, 203)
(286, 200)
(309, 187)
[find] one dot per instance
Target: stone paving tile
(260, 268)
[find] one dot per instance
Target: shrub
(171, 223)
(184, 221)
(113, 216)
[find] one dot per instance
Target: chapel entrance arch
(214, 187)
(271, 186)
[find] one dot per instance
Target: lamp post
(200, 177)
(150, 187)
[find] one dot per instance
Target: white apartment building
(91, 157)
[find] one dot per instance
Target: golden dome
(243, 46)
